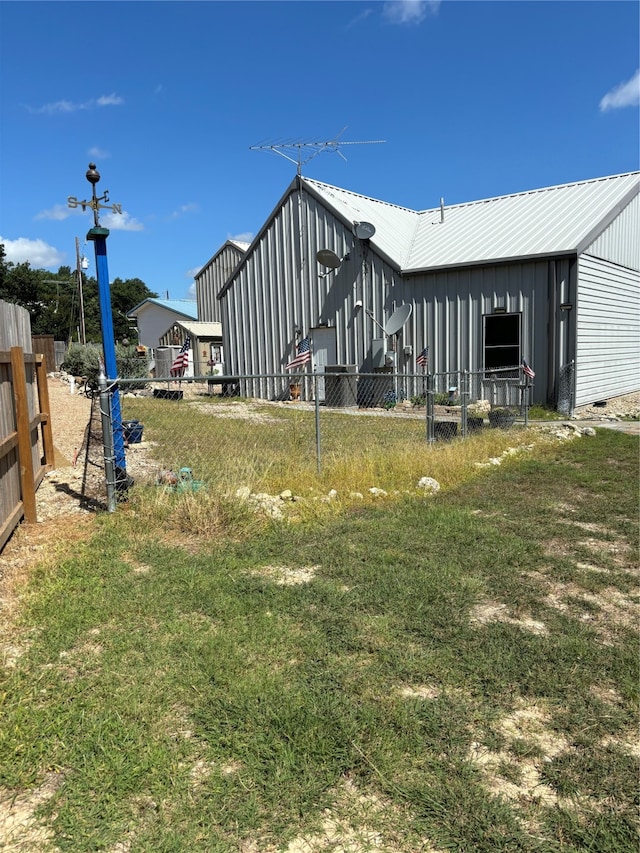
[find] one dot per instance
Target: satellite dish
(363, 230)
(397, 320)
(328, 259)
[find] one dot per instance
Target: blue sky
(474, 99)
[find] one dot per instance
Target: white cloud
(191, 207)
(409, 11)
(625, 95)
(192, 273)
(58, 212)
(121, 222)
(111, 100)
(191, 293)
(361, 17)
(71, 107)
(98, 153)
(38, 253)
(247, 237)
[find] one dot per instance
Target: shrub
(85, 361)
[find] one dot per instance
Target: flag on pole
(527, 370)
(303, 354)
(181, 361)
(423, 358)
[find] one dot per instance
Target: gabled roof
(236, 244)
(557, 220)
(200, 330)
(186, 307)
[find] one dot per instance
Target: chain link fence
(262, 432)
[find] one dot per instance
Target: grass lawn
(453, 672)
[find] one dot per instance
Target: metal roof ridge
(524, 193)
(359, 195)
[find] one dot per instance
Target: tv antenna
(294, 151)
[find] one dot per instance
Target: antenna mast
(297, 148)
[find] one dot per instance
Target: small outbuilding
(551, 275)
(205, 351)
(154, 316)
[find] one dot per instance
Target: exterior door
(323, 339)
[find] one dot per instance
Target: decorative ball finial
(93, 175)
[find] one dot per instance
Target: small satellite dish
(397, 320)
(328, 259)
(364, 230)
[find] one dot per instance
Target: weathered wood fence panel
(45, 344)
(26, 440)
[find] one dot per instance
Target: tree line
(53, 300)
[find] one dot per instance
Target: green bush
(85, 361)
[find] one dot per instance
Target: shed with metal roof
(154, 316)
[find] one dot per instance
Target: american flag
(527, 370)
(423, 357)
(182, 359)
(303, 354)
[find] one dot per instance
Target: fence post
(464, 401)
(27, 484)
(107, 441)
(45, 411)
(429, 408)
(316, 398)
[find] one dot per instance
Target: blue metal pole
(99, 237)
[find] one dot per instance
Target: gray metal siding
(620, 242)
(211, 280)
(279, 289)
(608, 330)
(449, 307)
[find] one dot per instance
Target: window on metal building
(501, 340)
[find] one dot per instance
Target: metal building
(551, 275)
(214, 275)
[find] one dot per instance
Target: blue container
(132, 431)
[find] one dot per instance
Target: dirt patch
(20, 831)
(491, 611)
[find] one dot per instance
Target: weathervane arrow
(93, 176)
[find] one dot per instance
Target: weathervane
(315, 147)
(93, 176)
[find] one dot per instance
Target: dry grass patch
(604, 610)
(357, 822)
(518, 778)
(491, 611)
(20, 829)
(287, 575)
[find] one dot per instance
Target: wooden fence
(26, 440)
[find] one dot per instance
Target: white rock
(376, 492)
(244, 492)
(428, 484)
(588, 431)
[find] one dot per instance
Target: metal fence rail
(237, 431)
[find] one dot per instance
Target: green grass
(187, 701)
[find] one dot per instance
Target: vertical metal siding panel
(608, 330)
(620, 242)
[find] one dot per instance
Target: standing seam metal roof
(549, 221)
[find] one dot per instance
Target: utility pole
(83, 335)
